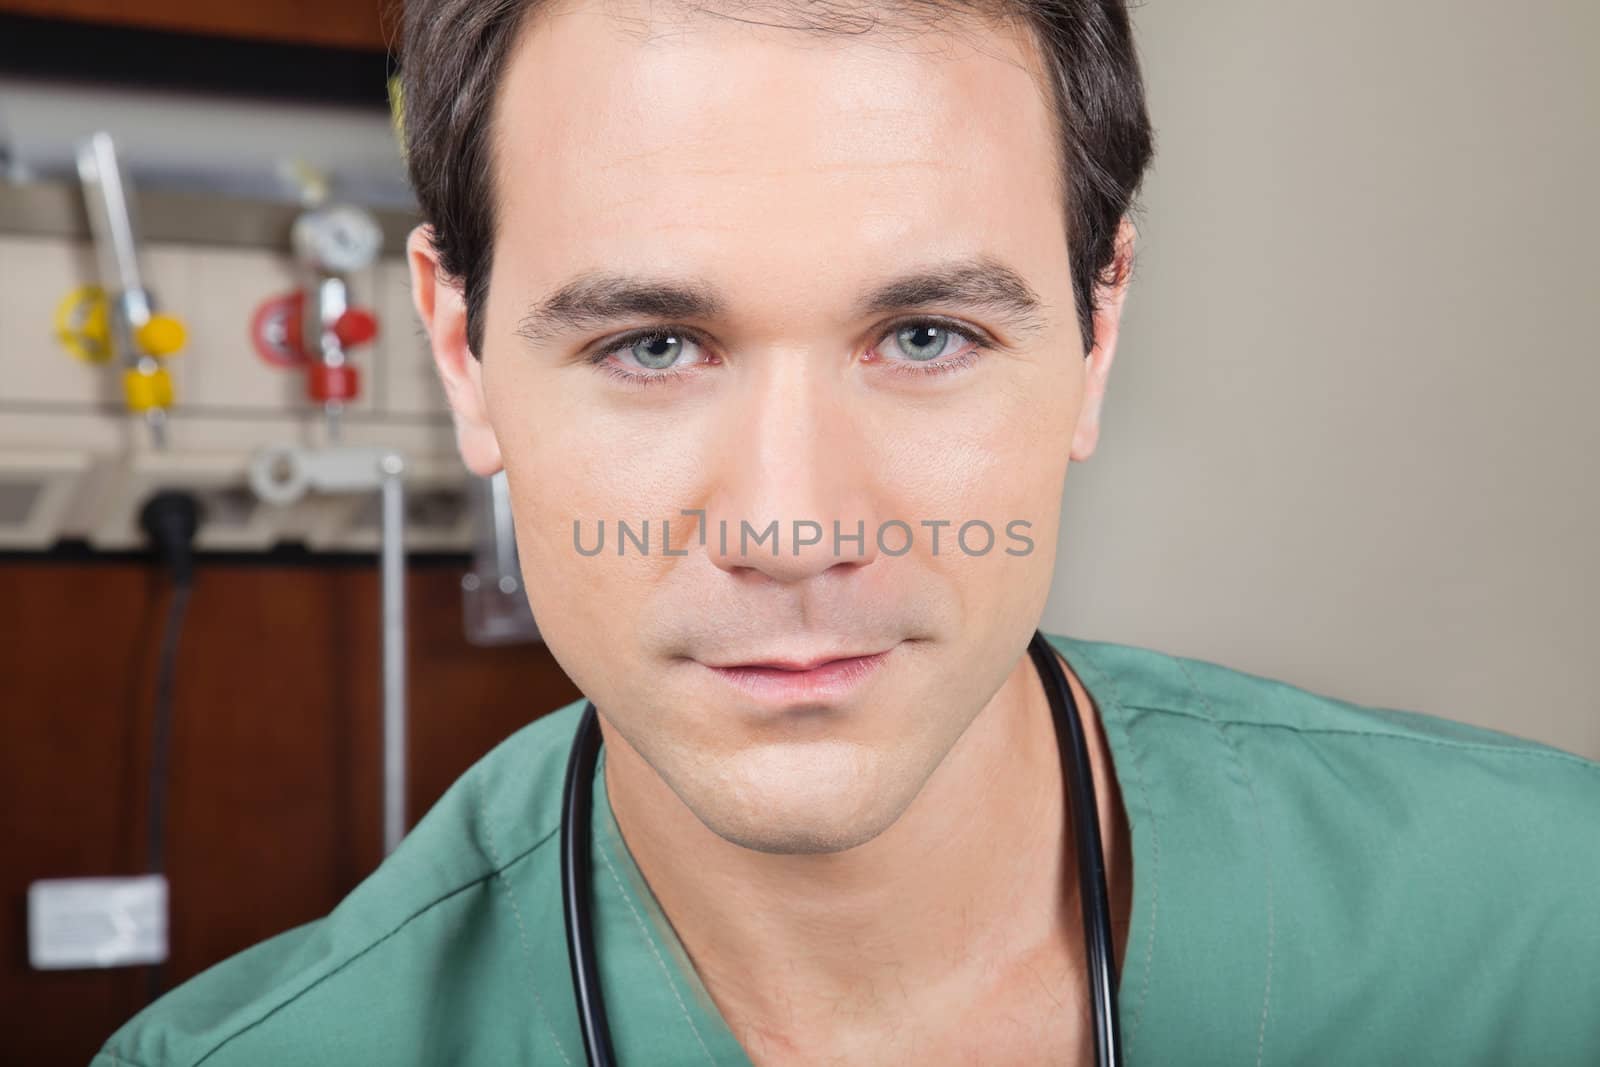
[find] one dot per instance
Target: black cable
(575, 888)
(170, 519)
(161, 742)
(1085, 813)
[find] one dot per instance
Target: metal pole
(109, 204)
(394, 652)
(505, 537)
(110, 214)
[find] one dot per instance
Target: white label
(97, 922)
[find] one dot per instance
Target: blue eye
(657, 352)
(652, 355)
(931, 346)
(923, 341)
(663, 353)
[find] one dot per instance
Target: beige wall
(1352, 434)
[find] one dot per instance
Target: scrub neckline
(704, 1019)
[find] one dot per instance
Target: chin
(807, 798)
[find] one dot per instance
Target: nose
(791, 496)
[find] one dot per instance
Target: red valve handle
(356, 326)
(325, 383)
(275, 329)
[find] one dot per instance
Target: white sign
(97, 922)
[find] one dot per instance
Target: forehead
(620, 133)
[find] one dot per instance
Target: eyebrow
(594, 299)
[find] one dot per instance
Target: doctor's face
(747, 276)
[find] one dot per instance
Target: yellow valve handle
(147, 389)
(161, 335)
(83, 324)
(83, 328)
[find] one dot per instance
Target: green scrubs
(1314, 882)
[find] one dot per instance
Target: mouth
(814, 680)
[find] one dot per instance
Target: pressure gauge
(338, 239)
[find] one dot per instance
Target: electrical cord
(169, 519)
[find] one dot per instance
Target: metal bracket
(282, 474)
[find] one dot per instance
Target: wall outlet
(97, 922)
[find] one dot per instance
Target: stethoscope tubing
(576, 881)
(1079, 774)
(576, 808)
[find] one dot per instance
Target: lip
(818, 680)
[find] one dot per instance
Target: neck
(976, 883)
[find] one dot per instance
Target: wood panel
(274, 803)
(335, 23)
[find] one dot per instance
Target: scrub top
(1314, 882)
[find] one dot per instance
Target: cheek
(1003, 464)
(567, 477)
(997, 454)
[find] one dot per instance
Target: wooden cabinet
(274, 804)
(358, 24)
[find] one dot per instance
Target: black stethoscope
(577, 804)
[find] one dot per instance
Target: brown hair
(454, 52)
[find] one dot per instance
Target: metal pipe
(332, 300)
(394, 651)
(505, 537)
(109, 204)
(110, 214)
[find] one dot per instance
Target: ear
(442, 307)
(1106, 321)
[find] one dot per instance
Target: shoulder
(347, 987)
(1408, 868)
(1272, 716)
(1315, 756)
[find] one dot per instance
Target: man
(769, 314)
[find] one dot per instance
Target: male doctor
(807, 297)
